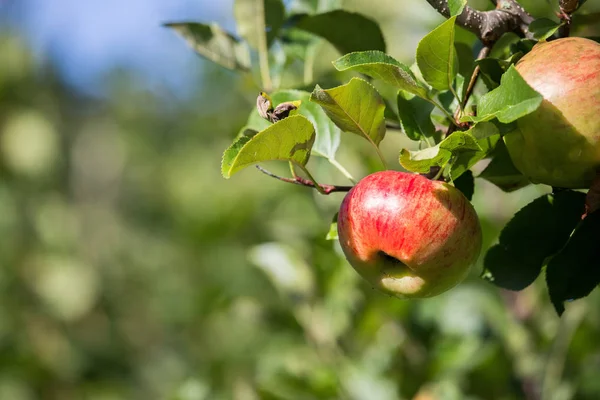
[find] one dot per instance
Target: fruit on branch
(407, 235)
(559, 143)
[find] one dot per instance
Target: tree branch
(508, 16)
(325, 189)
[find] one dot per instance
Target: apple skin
(559, 143)
(409, 236)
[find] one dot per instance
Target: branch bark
(508, 16)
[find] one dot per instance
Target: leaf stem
(263, 49)
(341, 168)
(309, 61)
(442, 109)
(323, 189)
(314, 182)
(293, 170)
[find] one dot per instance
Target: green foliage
(132, 270)
(381, 66)
(573, 273)
(525, 247)
(415, 116)
(345, 30)
(543, 28)
(436, 56)
(466, 184)
(513, 99)
(213, 43)
(290, 139)
(355, 107)
(456, 6)
(256, 19)
(452, 147)
(502, 172)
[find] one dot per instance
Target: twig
(325, 189)
(508, 16)
(483, 53)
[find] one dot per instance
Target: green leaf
(536, 232)
(466, 184)
(345, 30)
(493, 69)
(502, 172)
(255, 18)
(333, 232)
(437, 156)
(456, 7)
(573, 273)
(436, 56)
(290, 139)
(415, 116)
(487, 136)
(381, 66)
(327, 133)
(213, 43)
(513, 99)
(543, 28)
(354, 107)
(422, 161)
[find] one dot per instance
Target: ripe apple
(409, 236)
(559, 143)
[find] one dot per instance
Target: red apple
(559, 143)
(407, 235)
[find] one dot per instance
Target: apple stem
(298, 180)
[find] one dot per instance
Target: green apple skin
(409, 236)
(559, 143)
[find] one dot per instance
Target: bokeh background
(130, 269)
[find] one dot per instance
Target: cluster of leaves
(452, 129)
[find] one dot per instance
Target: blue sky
(88, 38)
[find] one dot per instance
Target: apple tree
(520, 107)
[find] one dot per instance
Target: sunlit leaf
(354, 107)
(436, 56)
(333, 231)
(290, 139)
(456, 7)
(381, 66)
(487, 136)
(543, 28)
(213, 43)
(438, 156)
(513, 99)
(328, 134)
(422, 161)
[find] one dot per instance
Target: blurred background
(130, 269)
